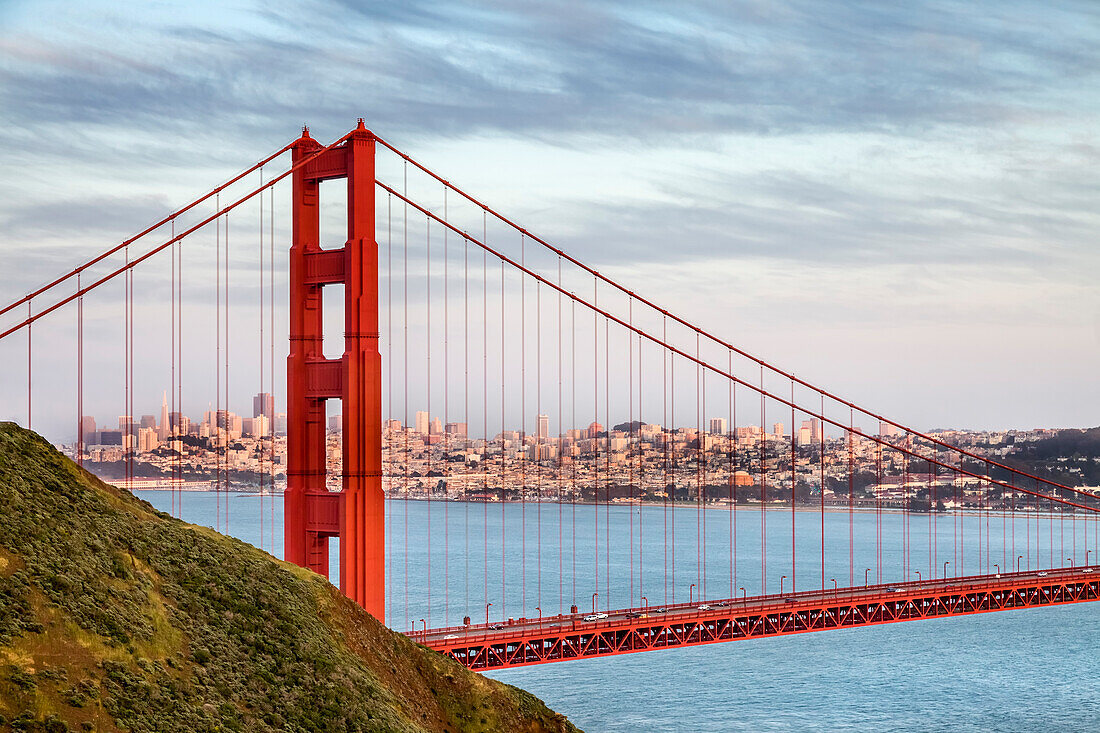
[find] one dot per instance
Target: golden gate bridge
(448, 305)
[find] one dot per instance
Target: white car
(704, 607)
(601, 615)
(1042, 574)
(595, 616)
(1087, 570)
(451, 636)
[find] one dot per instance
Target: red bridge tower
(312, 514)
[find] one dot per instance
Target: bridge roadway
(523, 641)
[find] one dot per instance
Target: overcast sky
(897, 200)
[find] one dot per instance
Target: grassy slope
(114, 616)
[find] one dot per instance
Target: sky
(896, 201)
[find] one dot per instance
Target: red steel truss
(562, 638)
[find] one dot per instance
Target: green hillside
(114, 616)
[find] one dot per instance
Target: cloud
(620, 70)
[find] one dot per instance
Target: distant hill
(1070, 457)
(114, 616)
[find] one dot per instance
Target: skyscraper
(718, 426)
(542, 426)
(422, 422)
(263, 404)
(162, 431)
(87, 429)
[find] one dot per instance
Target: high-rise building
(718, 426)
(436, 426)
(455, 428)
(336, 422)
(777, 430)
(148, 421)
(260, 426)
(263, 404)
(422, 422)
(815, 429)
(542, 426)
(280, 424)
(147, 439)
(86, 430)
(887, 430)
(162, 429)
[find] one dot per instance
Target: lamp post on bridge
(781, 579)
(1087, 556)
(1018, 559)
(998, 567)
(425, 631)
(866, 578)
(645, 605)
(744, 594)
(945, 564)
(540, 618)
(487, 614)
(836, 591)
(691, 593)
(918, 575)
(594, 597)
(1069, 561)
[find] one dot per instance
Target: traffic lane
(753, 604)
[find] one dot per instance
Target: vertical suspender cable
(466, 407)
(446, 417)
(672, 464)
(428, 394)
(699, 441)
(538, 442)
(216, 427)
(664, 449)
(573, 462)
(503, 450)
(389, 370)
(630, 444)
(821, 481)
(594, 435)
(226, 403)
(485, 399)
(558, 476)
(794, 566)
(851, 503)
(29, 363)
(80, 374)
(405, 384)
(607, 459)
(641, 477)
(523, 427)
(763, 492)
(263, 400)
(732, 447)
(270, 403)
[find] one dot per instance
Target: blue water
(1018, 670)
